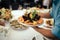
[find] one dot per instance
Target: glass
(4, 30)
(3, 33)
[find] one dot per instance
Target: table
(24, 35)
(27, 34)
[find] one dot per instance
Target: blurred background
(16, 4)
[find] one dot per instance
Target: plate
(20, 29)
(44, 25)
(31, 25)
(31, 18)
(17, 26)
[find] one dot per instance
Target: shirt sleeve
(56, 31)
(56, 28)
(51, 13)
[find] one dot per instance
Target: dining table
(27, 34)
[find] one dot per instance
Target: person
(14, 4)
(20, 2)
(46, 3)
(29, 3)
(5, 3)
(55, 14)
(11, 2)
(39, 3)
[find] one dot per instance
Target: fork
(34, 38)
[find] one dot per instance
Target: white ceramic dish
(44, 24)
(29, 25)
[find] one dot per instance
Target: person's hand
(44, 32)
(45, 15)
(36, 27)
(2, 23)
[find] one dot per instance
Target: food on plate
(49, 22)
(32, 9)
(35, 8)
(5, 14)
(32, 18)
(40, 21)
(15, 24)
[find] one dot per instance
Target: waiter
(55, 14)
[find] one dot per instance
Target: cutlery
(34, 38)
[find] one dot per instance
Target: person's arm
(45, 15)
(46, 33)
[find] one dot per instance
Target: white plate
(29, 25)
(44, 24)
(19, 28)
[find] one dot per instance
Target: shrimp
(21, 19)
(40, 21)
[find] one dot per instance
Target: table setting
(18, 27)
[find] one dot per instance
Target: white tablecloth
(24, 35)
(27, 34)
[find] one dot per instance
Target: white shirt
(46, 2)
(36, 0)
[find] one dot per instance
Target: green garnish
(33, 14)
